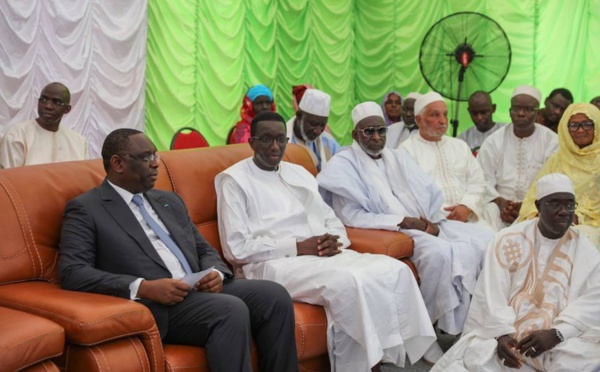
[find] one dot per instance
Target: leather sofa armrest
(27, 339)
(390, 243)
(87, 318)
(311, 328)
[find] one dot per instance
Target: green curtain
(203, 55)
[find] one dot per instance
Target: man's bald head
(60, 87)
(480, 96)
(481, 110)
(53, 103)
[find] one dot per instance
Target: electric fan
(463, 53)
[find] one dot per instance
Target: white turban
(528, 90)
(365, 110)
(553, 183)
(426, 99)
(315, 102)
(413, 95)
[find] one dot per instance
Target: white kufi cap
(426, 99)
(553, 183)
(528, 90)
(365, 110)
(315, 102)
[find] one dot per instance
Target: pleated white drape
(97, 48)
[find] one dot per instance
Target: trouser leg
(220, 323)
(272, 320)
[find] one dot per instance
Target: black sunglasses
(370, 131)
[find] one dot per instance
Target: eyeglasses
(525, 109)
(586, 125)
(54, 101)
(370, 131)
(556, 205)
(267, 140)
(145, 158)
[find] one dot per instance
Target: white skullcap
(528, 90)
(553, 183)
(426, 99)
(364, 110)
(413, 95)
(315, 102)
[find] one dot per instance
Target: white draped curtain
(97, 48)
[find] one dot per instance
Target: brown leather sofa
(28, 342)
(108, 333)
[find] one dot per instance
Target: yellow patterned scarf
(582, 165)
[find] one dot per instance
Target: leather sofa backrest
(32, 200)
(192, 173)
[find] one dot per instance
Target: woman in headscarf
(578, 157)
(259, 98)
(392, 107)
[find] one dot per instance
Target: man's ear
(67, 109)
(418, 119)
(537, 205)
(355, 134)
(493, 108)
(252, 143)
(116, 164)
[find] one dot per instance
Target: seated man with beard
(373, 187)
(307, 128)
(447, 160)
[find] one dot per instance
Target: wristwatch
(559, 335)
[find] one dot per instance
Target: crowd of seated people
(505, 221)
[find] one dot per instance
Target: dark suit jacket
(103, 248)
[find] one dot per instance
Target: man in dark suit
(111, 244)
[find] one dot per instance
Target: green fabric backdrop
(203, 55)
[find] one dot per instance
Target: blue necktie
(162, 234)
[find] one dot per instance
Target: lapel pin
(165, 205)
